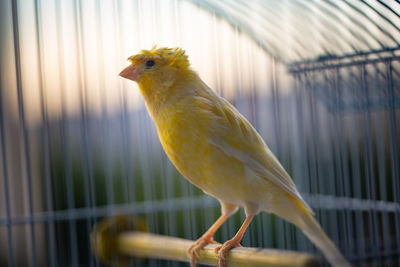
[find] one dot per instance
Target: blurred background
(319, 80)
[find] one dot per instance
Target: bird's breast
(183, 134)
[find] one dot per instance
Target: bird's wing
(236, 137)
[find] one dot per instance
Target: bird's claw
(194, 250)
(224, 249)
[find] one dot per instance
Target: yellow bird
(217, 149)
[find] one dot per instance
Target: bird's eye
(150, 63)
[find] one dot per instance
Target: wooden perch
(113, 244)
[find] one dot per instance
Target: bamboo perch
(162, 247)
(147, 245)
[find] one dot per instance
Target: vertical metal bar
(87, 161)
(277, 128)
(105, 133)
(394, 149)
(326, 164)
(137, 179)
(44, 134)
(70, 190)
(304, 129)
(332, 172)
(311, 112)
(106, 141)
(5, 180)
(373, 151)
(368, 160)
(286, 144)
(311, 138)
(335, 168)
(381, 137)
(25, 139)
(291, 130)
(73, 245)
(217, 76)
(170, 188)
(344, 159)
(145, 147)
(300, 108)
(126, 161)
(355, 172)
(125, 153)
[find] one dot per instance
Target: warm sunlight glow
(83, 46)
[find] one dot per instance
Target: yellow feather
(216, 148)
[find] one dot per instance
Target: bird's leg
(233, 243)
(207, 237)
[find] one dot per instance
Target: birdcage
(319, 80)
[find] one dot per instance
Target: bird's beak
(131, 72)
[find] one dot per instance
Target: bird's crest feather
(171, 56)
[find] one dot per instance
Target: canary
(217, 149)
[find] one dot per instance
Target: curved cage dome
(298, 30)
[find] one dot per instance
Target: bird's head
(156, 67)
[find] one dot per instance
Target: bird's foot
(193, 250)
(224, 249)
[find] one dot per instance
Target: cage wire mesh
(77, 144)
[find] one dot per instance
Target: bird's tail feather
(305, 220)
(313, 231)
